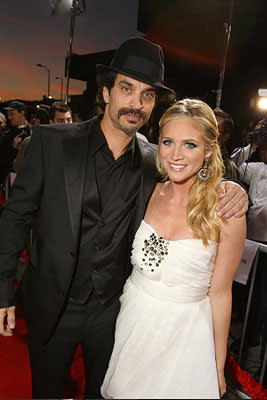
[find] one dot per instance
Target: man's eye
(125, 89)
(190, 145)
(150, 95)
(167, 142)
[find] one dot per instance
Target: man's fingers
(242, 210)
(228, 200)
(11, 318)
(7, 321)
(2, 317)
(237, 207)
(234, 202)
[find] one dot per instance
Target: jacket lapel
(75, 151)
(148, 180)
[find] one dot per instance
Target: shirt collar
(98, 140)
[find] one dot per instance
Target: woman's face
(182, 149)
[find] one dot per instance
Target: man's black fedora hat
(140, 59)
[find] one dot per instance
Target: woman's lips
(177, 167)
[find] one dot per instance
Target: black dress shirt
(108, 206)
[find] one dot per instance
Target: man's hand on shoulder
(7, 321)
(233, 200)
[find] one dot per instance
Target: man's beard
(133, 130)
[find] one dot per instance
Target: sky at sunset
(29, 35)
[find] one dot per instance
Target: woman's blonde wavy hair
(203, 196)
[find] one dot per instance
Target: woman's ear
(208, 152)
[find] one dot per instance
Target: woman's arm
(230, 249)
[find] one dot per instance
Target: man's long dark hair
(106, 79)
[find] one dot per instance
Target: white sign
(245, 265)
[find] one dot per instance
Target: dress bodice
(161, 266)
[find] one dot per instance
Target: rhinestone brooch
(154, 250)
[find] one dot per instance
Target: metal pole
(48, 89)
(262, 248)
(253, 276)
(61, 87)
(48, 80)
(72, 26)
(228, 28)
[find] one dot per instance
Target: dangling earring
(204, 173)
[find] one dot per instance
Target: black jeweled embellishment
(154, 251)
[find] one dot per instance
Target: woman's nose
(177, 153)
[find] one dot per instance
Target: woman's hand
(222, 383)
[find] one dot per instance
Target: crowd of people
(136, 245)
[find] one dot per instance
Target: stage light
(262, 92)
(262, 103)
(61, 7)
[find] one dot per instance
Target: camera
(259, 136)
(23, 131)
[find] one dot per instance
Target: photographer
(250, 152)
(226, 129)
(13, 136)
(253, 172)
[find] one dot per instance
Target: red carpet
(15, 376)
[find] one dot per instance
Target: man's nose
(137, 100)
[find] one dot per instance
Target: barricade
(261, 248)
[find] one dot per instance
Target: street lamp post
(61, 89)
(48, 80)
(76, 8)
(228, 28)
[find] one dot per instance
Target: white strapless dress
(164, 346)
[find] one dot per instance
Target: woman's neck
(179, 192)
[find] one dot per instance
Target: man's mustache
(125, 110)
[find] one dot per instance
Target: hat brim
(14, 108)
(9, 108)
(101, 69)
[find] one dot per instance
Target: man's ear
(105, 94)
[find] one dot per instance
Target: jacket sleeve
(18, 216)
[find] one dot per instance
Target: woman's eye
(167, 142)
(190, 145)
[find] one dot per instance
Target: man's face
(2, 124)
(224, 136)
(16, 117)
(61, 118)
(129, 103)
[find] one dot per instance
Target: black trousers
(93, 326)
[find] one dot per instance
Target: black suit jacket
(50, 184)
